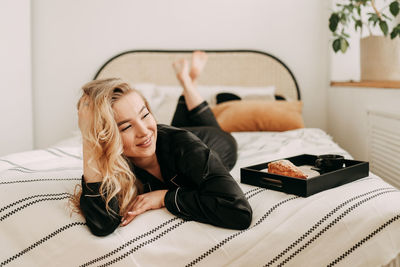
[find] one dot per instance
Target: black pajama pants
(202, 123)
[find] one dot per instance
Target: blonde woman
(132, 164)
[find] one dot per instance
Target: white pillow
(164, 103)
(163, 99)
(147, 89)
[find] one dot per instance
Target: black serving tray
(351, 171)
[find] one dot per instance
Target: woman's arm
(215, 197)
(93, 206)
(91, 172)
(85, 118)
(144, 202)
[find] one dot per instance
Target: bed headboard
(224, 67)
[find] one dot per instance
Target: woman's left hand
(144, 202)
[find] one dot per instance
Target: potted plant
(379, 54)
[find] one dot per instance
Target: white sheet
(357, 224)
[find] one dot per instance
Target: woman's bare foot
(199, 60)
(181, 68)
(192, 97)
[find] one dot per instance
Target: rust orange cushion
(259, 115)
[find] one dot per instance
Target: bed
(356, 224)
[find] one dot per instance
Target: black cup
(329, 162)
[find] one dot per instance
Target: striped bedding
(357, 224)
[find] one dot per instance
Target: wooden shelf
(374, 84)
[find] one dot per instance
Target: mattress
(356, 224)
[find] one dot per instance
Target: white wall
(15, 74)
(346, 67)
(348, 115)
(72, 39)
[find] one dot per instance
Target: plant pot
(380, 58)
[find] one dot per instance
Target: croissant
(286, 168)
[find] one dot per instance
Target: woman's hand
(148, 201)
(91, 169)
(85, 115)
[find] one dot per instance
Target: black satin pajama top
(199, 186)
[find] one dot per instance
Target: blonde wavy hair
(104, 138)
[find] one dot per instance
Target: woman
(132, 165)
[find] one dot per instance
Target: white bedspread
(357, 224)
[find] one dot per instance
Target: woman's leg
(192, 96)
(223, 143)
(191, 109)
(194, 114)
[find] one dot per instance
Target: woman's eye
(126, 128)
(147, 114)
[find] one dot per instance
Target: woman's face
(137, 126)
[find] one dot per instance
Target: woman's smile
(147, 142)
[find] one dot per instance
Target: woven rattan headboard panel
(227, 67)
